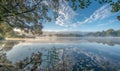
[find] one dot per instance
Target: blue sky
(94, 18)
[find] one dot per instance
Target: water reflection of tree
(54, 62)
(67, 61)
(51, 60)
(32, 63)
(7, 45)
(106, 66)
(104, 40)
(5, 64)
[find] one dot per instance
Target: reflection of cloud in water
(84, 58)
(94, 52)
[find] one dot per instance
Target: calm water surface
(93, 54)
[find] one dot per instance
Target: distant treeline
(109, 32)
(69, 35)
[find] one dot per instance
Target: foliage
(86, 3)
(116, 7)
(5, 30)
(26, 14)
(82, 4)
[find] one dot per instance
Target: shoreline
(62, 39)
(49, 38)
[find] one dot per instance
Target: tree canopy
(26, 14)
(86, 3)
(30, 14)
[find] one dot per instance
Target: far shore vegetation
(107, 33)
(24, 34)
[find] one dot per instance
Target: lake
(64, 54)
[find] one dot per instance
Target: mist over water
(84, 53)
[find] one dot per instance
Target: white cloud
(55, 30)
(66, 14)
(109, 22)
(102, 13)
